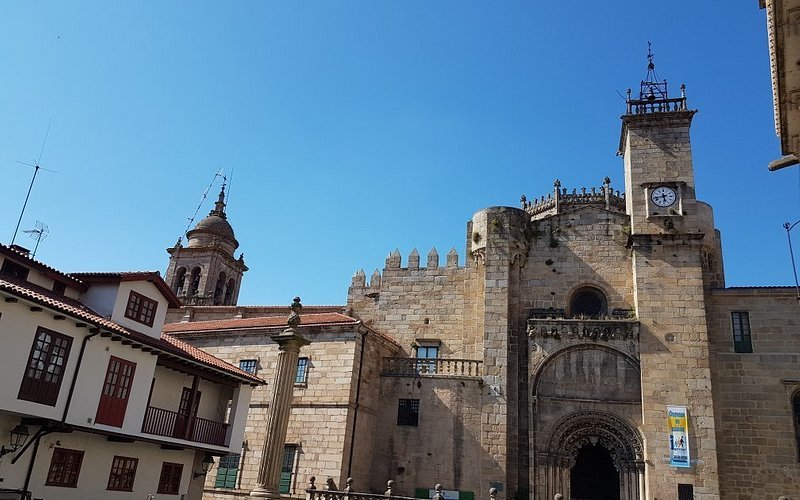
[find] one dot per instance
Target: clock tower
(672, 236)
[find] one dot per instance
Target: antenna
(39, 233)
(36, 167)
(202, 199)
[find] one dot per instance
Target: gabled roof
(210, 326)
(165, 345)
(51, 272)
(257, 325)
(153, 277)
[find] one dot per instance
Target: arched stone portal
(583, 433)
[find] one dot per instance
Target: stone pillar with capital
(289, 343)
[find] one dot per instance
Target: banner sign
(678, 436)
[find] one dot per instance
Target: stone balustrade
(431, 367)
(586, 329)
(560, 199)
(331, 492)
(646, 106)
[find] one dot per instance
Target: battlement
(560, 200)
(393, 265)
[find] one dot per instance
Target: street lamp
(207, 463)
(19, 435)
(788, 227)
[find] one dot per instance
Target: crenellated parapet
(393, 267)
(560, 200)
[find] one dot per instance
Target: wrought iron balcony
(169, 423)
(431, 367)
(583, 329)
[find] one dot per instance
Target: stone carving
(294, 316)
(586, 329)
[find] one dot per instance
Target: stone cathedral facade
(553, 359)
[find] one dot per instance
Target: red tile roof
(41, 266)
(319, 319)
(153, 277)
(165, 344)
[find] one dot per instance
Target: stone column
(289, 343)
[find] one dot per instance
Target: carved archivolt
(589, 427)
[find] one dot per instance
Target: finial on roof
(219, 206)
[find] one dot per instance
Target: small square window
(742, 342)
(408, 412)
(59, 288)
(64, 468)
(248, 365)
(14, 270)
(301, 377)
(123, 472)
(170, 480)
(141, 309)
(685, 492)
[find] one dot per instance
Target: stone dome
(214, 229)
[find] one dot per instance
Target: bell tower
(670, 236)
(205, 271)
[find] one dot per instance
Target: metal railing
(586, 329)
(169, 423)
(442, 367)
(331, 492)
(640, 107)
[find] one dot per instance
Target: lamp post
(206, 464)
(19, 435)
(789, 226)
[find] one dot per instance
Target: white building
(95, 401)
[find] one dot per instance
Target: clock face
(663, 196)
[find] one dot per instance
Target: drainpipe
(358, 394)
(75, 377)
(36, 437)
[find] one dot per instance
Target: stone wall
(444, 448)
(758, 448)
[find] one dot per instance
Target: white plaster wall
(101, 298)
(150, 291)
(18, 326)
(97, 459)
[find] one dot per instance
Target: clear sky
(353, 128)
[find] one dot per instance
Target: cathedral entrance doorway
(590, 455)
(593, 477)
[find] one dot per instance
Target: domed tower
(205, 271)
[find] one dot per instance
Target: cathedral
(584, 345)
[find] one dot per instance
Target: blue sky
(353, 128)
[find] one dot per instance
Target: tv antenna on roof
(38, 233)
(36, 167)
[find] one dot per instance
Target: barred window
(123, 472)
(287, 468)
(685, 492)
(742, 341)
(64, 468)
(141, 309)
(796, 412)
(408, 412)
(301, 376)
(248, 365)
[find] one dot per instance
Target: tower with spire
(205, 271)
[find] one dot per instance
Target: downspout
(39, 434)
(355, 409)
(75, 377)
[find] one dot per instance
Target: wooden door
(116, 391)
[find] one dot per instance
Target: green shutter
(466, 495)
(421, 493)
(227, 471)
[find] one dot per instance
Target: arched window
(180, 280)
(588, 302)
(194, 284)
(219, 288)
(229, 292)
(796, 414)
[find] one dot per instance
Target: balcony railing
(441, 367)
(169, 423)
(584, 329)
